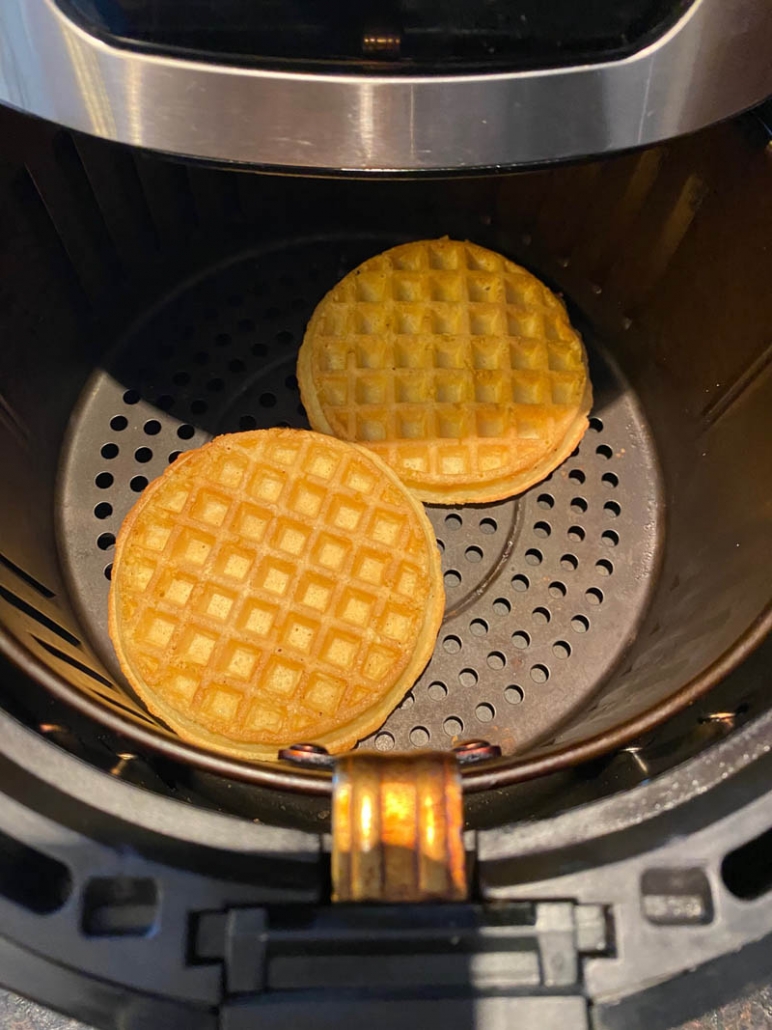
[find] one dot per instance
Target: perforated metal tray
(544, 591)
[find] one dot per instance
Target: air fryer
(605, 637)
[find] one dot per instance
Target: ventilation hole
(267, 400)
(198, 406)
(70, 660)
(104, 480)
(594, 596)
(576, 533)
(165, 402)
(31, 879)
(138, 484)
(561, 649)
(540, 673)
(384, 742)
(143, 455)
(173, 456)
(569, 561)
(186, 432)
(557, 589)
(419, 736)
(408, 701)
(131, 397)
(119, 907)
(109, 571)
(605, 568)
(612, 509)
(574, 453)
(201, 357)
(291, 382)
(246, 325)
(215, 385)
(452, 578)
(478, 627)
(181, 378)
(501, 606)
(105, 541)
(103, 510)
(610, 479)
(23, 606)
(596, 425)
(578, 505)
(610, 538)
(496, 660)
(285, 337)
(453, 521)
(533, 557)
(152, 427)
(541, 616)
(488, 526)
(109, 450)
(473, 555)
(485, 712)
(520, 583)
(451, 644)
(521, 640)
(237, 365)
(542, 529)
(747, 871)
(579, 624)
(222, 340)
(452, 726)
(441, 546)
(118, 423)
(513, 695)
(546, 501)
(467, 678)
(577, 475)
(30, 580)
(259, 350)
(247, 422)
(604, 451)
(437, 691)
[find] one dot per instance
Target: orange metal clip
(397, 825)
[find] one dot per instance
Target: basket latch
(397, 828)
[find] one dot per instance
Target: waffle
(273, 587)
(455, 366)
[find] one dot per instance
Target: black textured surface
(751, 1012)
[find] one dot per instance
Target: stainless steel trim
(714, 62)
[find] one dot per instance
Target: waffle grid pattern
(447, 360)
(280, 587)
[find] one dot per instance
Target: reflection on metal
(382, 44)
(397, 825)
(712, 63)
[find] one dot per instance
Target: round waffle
(273, 587)
(456, 366)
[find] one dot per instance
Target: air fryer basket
(147, 305)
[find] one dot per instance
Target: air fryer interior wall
(662, 256)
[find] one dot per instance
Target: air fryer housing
(143, 883)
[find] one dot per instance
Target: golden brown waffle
(272, 587)
(456, 366)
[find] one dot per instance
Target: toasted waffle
(454, 365)
(275, 586)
